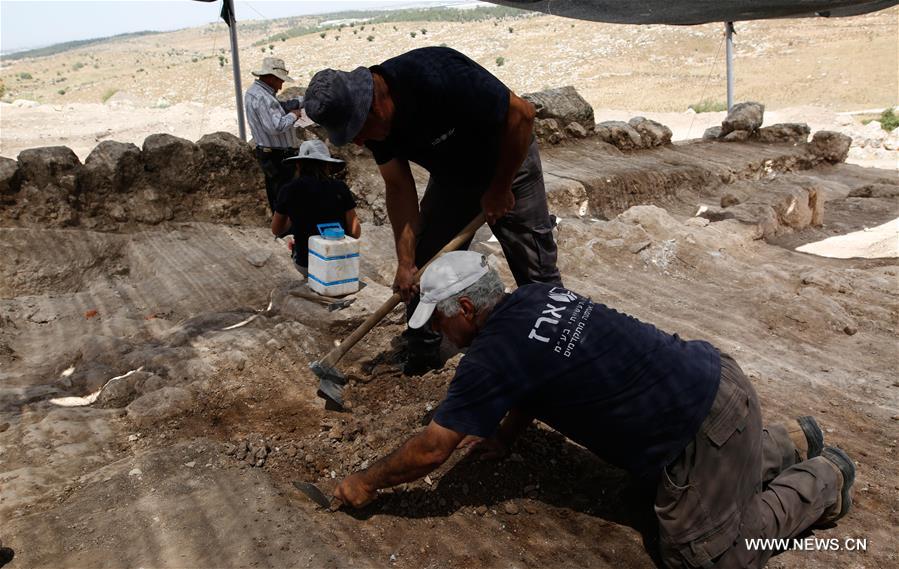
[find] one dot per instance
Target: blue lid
(331, 230)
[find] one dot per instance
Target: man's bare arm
(417, 457)
(402, 209)
(514, 143)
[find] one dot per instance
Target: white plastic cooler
(333, 261)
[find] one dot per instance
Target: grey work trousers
(737, 481)
(525, 233)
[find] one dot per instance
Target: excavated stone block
(784, 132)
(111, 166)
(830, 146)
(49, 165)
(171, 163)
(744, 116)
(564, 104)
(619, 134)
(653, 133)
(10, 178)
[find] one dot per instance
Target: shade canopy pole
(235, 66)
(729, 41)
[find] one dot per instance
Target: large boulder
(111, 167)
(564, 104)
(651, 132)
(10, 179)
(794, 133)
(712, 133)
(172, 163)
(619, 134)
(49, 165)
(830, 146)
(744, 116)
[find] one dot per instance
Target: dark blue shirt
(309, 201)
(449, 115)
(632, 394)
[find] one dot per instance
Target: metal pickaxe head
(330, 383)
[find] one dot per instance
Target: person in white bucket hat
(272, 124)
(314, 196)
(674, 414)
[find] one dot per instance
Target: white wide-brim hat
(449, 275)
(274, 66)
(314, 150)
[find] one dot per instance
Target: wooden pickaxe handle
(338, 352)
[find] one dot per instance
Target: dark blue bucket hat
(340, 101)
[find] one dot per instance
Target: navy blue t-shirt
(632, 394)
(308, 202)
(450, 112)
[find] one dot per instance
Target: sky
(26, 24)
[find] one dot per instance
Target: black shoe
(813, 435)
(847, 468)
(418, 363)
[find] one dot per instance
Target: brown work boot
(807, 438)
(846, 469)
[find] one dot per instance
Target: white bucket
(333, 261)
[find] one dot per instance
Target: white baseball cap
(449, 275)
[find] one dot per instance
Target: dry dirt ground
(186, 458)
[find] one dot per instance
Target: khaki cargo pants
(736, 481)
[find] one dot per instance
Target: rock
(258, 258)
(223, 150)
(111, 167)
(135, 472)
(850, 329)
(891, 142)
(151, 408)
(10, 179)
(547, 130)
(736, 136)
(564, 104)
(132, 438)
(274, 344)
(172, 164)
(651, 132)
(190, 464)
(744, 116)
(619, 134)
(49, 165)
(875, 191)
(830, 146)
(481, 510)
(729, 199)
(795, 133)
(530, 508)
(290, 451)
(123, 391)
(510, 508)
(575, 130)
(712, 133)
(229, 449)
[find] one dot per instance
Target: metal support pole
(235, 65)
(729, 43)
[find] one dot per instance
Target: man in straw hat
(678, 415)
(436, 107)
(271, 124)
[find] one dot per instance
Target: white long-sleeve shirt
(269, 124)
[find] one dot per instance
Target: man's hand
(353, 491)
(297, 113)
(497, 203)
(404, 282)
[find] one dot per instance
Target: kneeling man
(679, 413)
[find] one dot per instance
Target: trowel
(331, 380)
(315, 494)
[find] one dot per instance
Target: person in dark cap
(436, 107)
